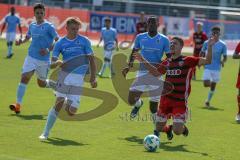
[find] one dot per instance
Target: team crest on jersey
(78, 42)
(180, 63)
(158, 40)
(42, 28)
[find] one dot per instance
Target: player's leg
(180, 113)
(238, 113)
(27, 73)
(215, 77)
(52, 116)
(10, 39)
(135, 101)
(106, 61)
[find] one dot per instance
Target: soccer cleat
(156, 133)
(15, 107)
(43, 137)
(9, 56)
(185, 132)
(135, 110)
(100, 75)
(237, 118)
(169, 133)
(207, 104)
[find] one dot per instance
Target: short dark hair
(180, 40)
(107, 19)
(215, 28)
(38, 6)
(151, 18)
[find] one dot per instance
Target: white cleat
(237, 118)
(43, 137)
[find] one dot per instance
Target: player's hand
(56, 64)
(18, 42)
(125, 71)
(138, 57)
(222, 63)
(93, 83)
(212, 40)
(44, 51)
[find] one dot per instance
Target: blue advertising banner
(123, 24)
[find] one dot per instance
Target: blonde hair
(73, 20)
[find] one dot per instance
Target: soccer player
(199, 37)
(43, 34)
(72, 46)
(141, 26)
(178, 70)
(236, 55)
(211, 75)
(11, 21)
(152, 45)
(109, 37)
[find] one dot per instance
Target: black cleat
(185, 132)
(156, 133)
(135, 110)
(9, 56)
(169, 133)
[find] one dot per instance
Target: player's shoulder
(142, 35)
(83, 39)
(222, 42)
(48, 24)
(113, 29)
(162, 36)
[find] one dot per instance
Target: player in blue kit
(73, 47)
(12, 21)
(211, 75)
(152, 45)
(43, 35)
(109, 37)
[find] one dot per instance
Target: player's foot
(9, 56)
(185, 132)
(15, 107)
(170, 133)
(43, 137)
(237, 118)
(135, 110)
(207, 104)
(156, 133)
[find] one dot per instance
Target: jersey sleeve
(52, 31)
(237, 50)
(204, 48)
(224, 50)
(88, 48)
(28, 34)
(57, 49)
(137, 42)
(191, 61)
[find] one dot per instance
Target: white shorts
(73, 81)
(108, 54)
(141, 84)
(41, 67)
(10, 36)
(212, 75)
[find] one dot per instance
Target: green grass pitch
(214, 134)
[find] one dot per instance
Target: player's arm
(20, 30)
(130, 62)
(99, 42)
(92, 70)
(236, 52)
(3, 27)
(208, 58)
(55, 62)
(20, 41)
(152, 69)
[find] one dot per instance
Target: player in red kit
(198, 38)
(236, 55)
(178, 70)
(141, 26)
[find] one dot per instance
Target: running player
(109, 37)
(152, 45)
(178, 71)
(72, 47)
(11, 21)
(43, 34)
(236, 55)
(211, 75)
(199, 37)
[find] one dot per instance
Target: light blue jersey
(108, 35)
(152, 48)
(75, 52)
(42, 36)
(12, 22)
(219, 49)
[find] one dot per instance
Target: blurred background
(177, 17)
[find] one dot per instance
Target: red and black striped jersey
(179, 73)
(198, 39)
(141, 27)
(237, 51)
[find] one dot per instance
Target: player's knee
(178, 129)
(131, 101)
(41, 83)
(10, 43)
(71, 111)
(153, 106)
(206, 84)
(25, 79)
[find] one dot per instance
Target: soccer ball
(151, 143)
